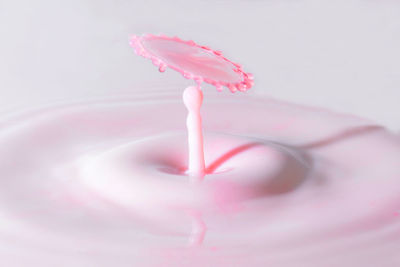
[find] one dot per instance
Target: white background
(343, 55)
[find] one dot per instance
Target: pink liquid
(197, 62)
(202, 64)
(193, 99)
(103, 183)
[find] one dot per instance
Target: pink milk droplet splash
(199, 63)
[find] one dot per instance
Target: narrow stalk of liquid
(193, 98)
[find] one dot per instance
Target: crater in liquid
(238, 169)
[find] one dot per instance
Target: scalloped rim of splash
(246, 78)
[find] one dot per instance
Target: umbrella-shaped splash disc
(202, 64)
(194, 61)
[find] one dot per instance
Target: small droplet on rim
(199, 80)
(162, 68)
(232, 87)
(241, 87)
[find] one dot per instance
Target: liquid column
(193, 98)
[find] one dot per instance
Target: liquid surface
(103, 183)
